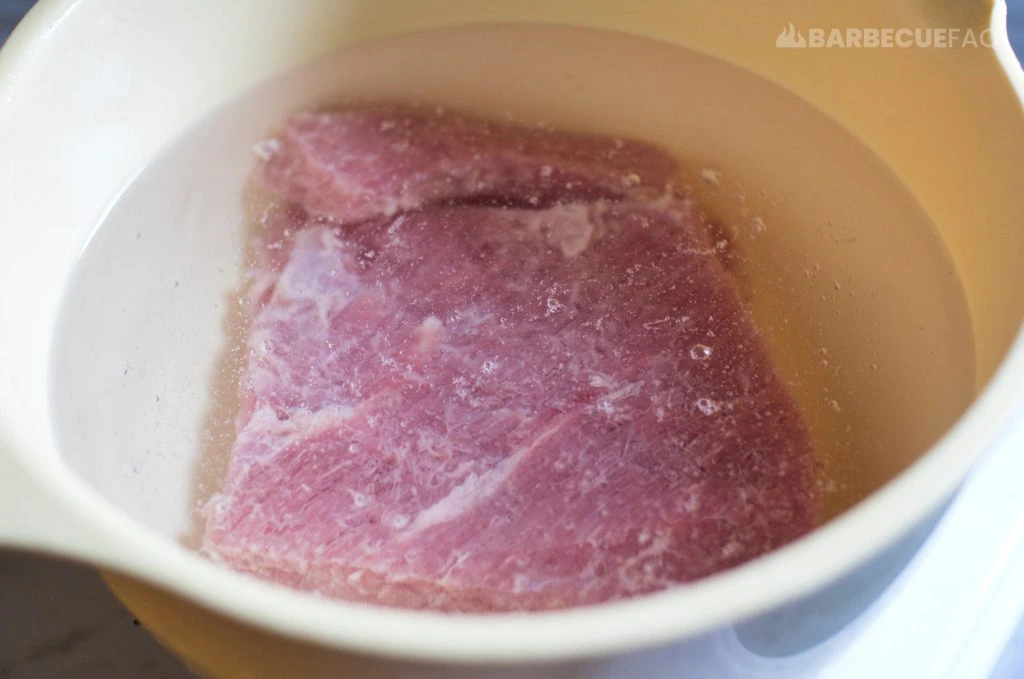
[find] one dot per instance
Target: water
(853, 291)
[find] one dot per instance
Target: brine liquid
(856, 297)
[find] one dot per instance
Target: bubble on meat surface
(700, 352)
(707, 406)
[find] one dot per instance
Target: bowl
(93, 469)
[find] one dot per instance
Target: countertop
(59, 621)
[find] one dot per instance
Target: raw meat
(362, 163)
(470, 408)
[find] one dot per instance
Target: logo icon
(790, 37)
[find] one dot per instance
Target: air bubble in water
(700, 352)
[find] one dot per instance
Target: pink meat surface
(358, 164)
(470, 408)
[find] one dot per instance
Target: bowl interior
(851, 284)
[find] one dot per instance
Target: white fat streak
(570, 228)
(468, 494)
(429, 332)
(312, 262)
(317, 272)
(265, 425)
(631, 389)
(326, 418)
(475, 488)
(573, 229)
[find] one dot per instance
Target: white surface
(950, 613)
